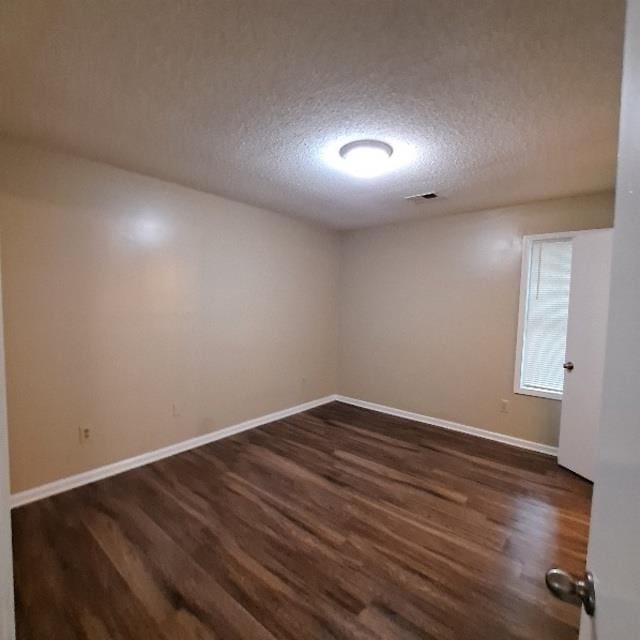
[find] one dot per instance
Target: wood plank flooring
(336, 523)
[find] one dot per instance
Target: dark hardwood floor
(335, 523)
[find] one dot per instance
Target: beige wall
(124, 295)
(428, 314)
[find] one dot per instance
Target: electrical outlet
(84, 435)
(504, 406)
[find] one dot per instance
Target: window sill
(538, 393)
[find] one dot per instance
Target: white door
(586, 339)
(7, 631)
(614, 543)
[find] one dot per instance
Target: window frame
(525, 268)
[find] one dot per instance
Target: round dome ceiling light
(366, 158)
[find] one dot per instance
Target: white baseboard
(87, 477)
(453, 426)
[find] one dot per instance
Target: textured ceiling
(502, 101)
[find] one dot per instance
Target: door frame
(7, 613)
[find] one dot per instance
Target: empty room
(320, 320)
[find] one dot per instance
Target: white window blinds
(546, 311)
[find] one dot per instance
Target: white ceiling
(502, 101)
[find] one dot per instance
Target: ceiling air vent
(422, 196)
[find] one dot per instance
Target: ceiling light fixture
(366, 158)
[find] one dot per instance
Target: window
(544, 310)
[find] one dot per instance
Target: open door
(586, 346)
(7, 625)
(614, 545)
